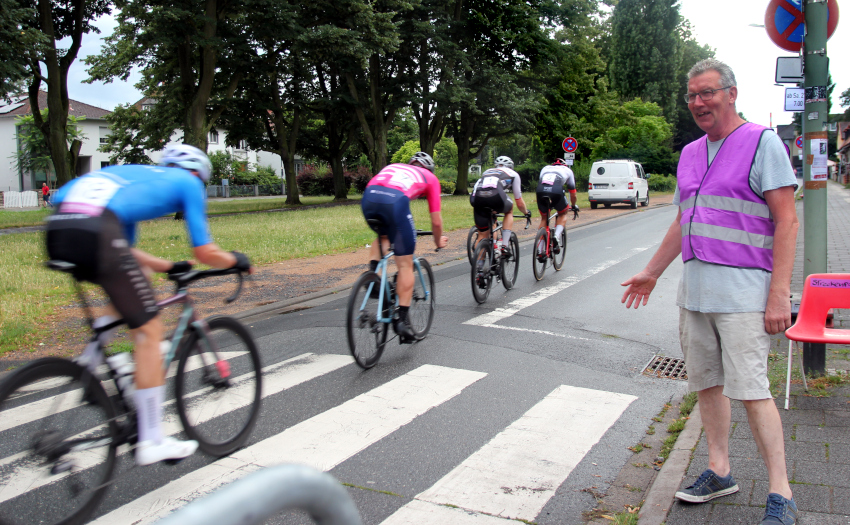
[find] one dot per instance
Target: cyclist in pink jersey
(387, 199)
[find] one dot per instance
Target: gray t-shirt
(713, 288)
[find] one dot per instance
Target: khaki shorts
(726, 349)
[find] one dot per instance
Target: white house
(94, 128)
(216, 141)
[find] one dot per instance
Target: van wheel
(593, 205)
(633, 204)
(646, 200)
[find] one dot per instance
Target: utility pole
(815, 116)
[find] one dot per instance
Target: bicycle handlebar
(182, 280)
(420, 233)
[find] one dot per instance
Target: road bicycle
(488, 263)
(62, 422)
(373, 305)
(544, 249)
(475, 235)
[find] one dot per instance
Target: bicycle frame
(384, 292)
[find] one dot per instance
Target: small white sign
(795, 99)
(569, 156)
(569, 162)
(789, 70)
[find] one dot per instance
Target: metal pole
(815, 73)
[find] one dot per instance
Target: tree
(637, 130)
(844, 100)
(646, 52)
(191, 54)
(42, 24)
(686, 130)
(33, 154)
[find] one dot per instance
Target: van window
(621, 170)
(641, 173)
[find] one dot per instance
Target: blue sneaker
(779, 511)
(707, 487)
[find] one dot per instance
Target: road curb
(659, 499)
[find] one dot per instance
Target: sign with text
(569, 156)
(795, 99)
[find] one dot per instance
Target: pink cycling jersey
(413, 181)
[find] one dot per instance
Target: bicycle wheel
(46, 408)
(422, 306)
(540, 258)
(510, 264)
(471, 239)
(366, 334)
(219, 400)
(481, 274)
(558, 259)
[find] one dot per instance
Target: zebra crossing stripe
(490, 319)
(421, 512)
(519, 470)
(27, 475)
(323, 441)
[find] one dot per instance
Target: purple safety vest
(724, 221)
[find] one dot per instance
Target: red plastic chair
(821, 293)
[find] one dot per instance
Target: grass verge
(777, 370)
(677, 425)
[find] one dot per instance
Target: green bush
(659, 182)
(529, 172)
(360, 177)
(447, 186)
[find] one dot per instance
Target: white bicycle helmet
(423, 159)
(504, 161)
(189, 158)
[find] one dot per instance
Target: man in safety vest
(736, 231)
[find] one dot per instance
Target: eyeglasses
(705, 96)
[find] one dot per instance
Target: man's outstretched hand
(639, 288)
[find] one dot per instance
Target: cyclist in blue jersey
(94, 228)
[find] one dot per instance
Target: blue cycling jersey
(138, 193)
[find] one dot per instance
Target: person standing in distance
(94, 228)
(736, 231)
(45, 195)
(555, 179)
(387, 198)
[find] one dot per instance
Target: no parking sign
(785, 22)
(570, 144)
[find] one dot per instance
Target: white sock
(558, 230)
(149, 412)
(506, 237)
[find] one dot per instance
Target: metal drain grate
(666, 368)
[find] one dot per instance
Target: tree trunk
(463, 139)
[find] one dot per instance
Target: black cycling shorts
(546, 201)
(97, 246)
(484, 207)
(391, 207)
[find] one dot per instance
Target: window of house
(104, 134)
(213, 138)
(104, 163)
(242, 144)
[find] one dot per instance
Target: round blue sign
(570, 144)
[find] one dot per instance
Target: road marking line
(323, 441)
(519, 470)
(422, 512)
(491, 318)
(24, 474)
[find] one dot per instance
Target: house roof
(786, 131)
(21, 106)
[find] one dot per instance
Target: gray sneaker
(779, 511)
(707, 487)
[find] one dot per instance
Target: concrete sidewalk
(817, 430)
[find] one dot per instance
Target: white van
(616, 182)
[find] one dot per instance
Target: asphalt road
(512, 408)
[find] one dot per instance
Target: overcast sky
(722, 24)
